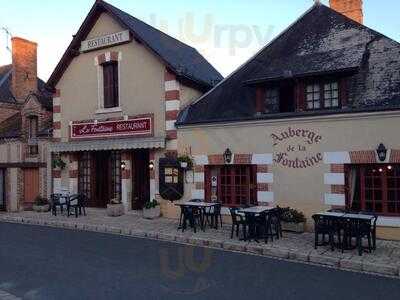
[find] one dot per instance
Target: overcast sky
(226, 32)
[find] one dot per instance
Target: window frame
(110, 71)
(321, 84)
(383, 188)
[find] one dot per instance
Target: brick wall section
(24, 77)
(363, 157)
(172, 106)
(57, 116)
(353, 9)
(395, 156)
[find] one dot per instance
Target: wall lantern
(228, 156)
(381, 151)
(151, 165)
(123, 166)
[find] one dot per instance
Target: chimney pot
(353, 9)
(24, 74)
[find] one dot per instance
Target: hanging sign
(106, 41)
(132, 127)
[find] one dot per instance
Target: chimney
(24, 61)
(350, 8)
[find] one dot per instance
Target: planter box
(294, 227)
(115, 210)
(41, 208)
(152, 213)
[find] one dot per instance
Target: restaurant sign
(106, 41)
(133, 127)
(297, 148)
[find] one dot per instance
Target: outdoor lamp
(381, 151)
(123, 166)
(228, 156)
(151, 165)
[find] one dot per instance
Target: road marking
(7, 296)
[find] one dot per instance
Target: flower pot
(41, 208)
(294, 227)
(152, 213)
(115, 210)
(184, 165)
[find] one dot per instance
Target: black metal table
(251, 214)
(198, 205)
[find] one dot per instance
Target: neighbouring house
(25, 129)
(311, 122)
(117, 91)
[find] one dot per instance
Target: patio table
(199, 205)
(251, 213)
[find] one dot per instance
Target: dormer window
(272, 100)
(33, 126)
(322, 95)
(110, 83)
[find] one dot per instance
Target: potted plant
(115, 208)
(41, 205)
(151, 210)
(185, 161)
(293, 220)
(58, 163)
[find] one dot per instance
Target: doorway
(140, 178)
(2, 190)
(31, 187)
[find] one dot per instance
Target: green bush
(40, 201)
(291, 215)
(151, 204)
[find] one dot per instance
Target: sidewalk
(298, 247)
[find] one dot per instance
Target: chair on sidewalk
(77, 203)
(193, 216)
(238, 221)
(213, 215)
(323, 226)
(57, 200)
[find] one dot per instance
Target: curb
(310, 257)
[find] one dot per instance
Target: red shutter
(260, 96)
(207, 183)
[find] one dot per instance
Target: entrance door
(2, 190)
(31, 186)
(141, 179)
(100, 196)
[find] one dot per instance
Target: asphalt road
(47, 263)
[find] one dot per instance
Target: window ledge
(388, 222)
(108, 110)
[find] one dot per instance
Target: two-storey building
(117, 93)
(310, 122)
(25, 129)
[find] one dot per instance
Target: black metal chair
(213, 215)
(55, 202)
(78, 204)
(359, 230)
(324, 226)
(238, 221)
(372, 228)
(193, 216)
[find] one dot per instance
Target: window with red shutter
(110, 80)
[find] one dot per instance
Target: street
(47, 263)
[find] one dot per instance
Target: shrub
(291, 215)
(151, 204)
(40, 201)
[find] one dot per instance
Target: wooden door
(31, 186)
(101, 194)
(141, 179)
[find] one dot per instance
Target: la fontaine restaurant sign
(106, 41)
(133, 127)
(295, 148)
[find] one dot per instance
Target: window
(272, 100)
(116, 175)
(376, 189)
(110, 81)
(322, 95)
(84, 174)
(32, 127)
(33, 147)
(235, 185)
(313, 96)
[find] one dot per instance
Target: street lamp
(228, 156)
(151, 165)
(381, 151)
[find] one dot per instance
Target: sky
(226, 32)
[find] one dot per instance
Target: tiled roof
(182, 59)
(321, 41)
(11, 127)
